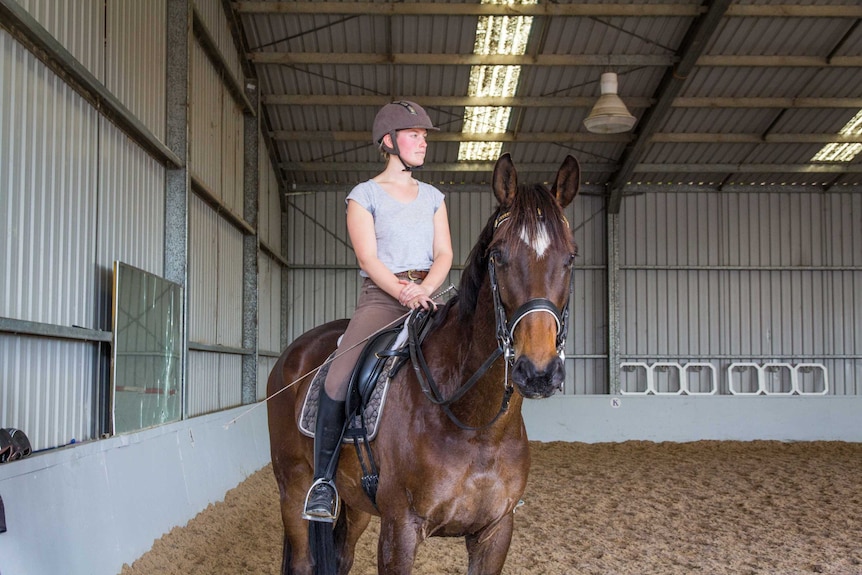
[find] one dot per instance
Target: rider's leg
(322, 499)
(375, 309)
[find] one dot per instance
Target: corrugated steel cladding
(726, 278)
(717, 278)
(76, 194)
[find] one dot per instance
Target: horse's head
(530, 255)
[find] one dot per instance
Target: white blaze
(541, 242)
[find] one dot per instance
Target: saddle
(381, 358)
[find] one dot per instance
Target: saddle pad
(372, 411)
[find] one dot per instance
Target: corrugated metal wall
(48, 211)
(215, 306)
(77, 193)
(49, 146)
(212, 15)
(323, 281)
(135, 57)
(587, 345)
(704, 278)
(216, 134)
(215, 244)
(269, 221)
(733, 278)
(131, 211)
(78, 25)
(269, 273)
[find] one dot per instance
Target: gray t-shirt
(405, 232)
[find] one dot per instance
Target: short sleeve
(362, 195)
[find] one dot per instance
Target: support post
(613, 304)
(178, 181)
(250, 244)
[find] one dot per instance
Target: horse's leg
(397, 546)
(296, 558)
(488, 548)
(352, 525)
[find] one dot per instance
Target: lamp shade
(609, 115)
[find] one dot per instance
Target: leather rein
(505, 328)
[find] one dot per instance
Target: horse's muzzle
(534, 383)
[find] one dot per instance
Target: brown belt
(412, 275)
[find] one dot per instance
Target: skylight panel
(836, 152)
(494, 35)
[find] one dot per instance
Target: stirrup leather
(324, 518)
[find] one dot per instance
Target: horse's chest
(476, 488)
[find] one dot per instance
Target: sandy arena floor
(600, 509)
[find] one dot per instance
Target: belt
(412, 275)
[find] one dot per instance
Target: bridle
(506, 327)
(505, 348)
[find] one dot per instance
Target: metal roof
(727, 94)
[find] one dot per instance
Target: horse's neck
(474, 339)
(457, 350)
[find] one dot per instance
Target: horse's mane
(532, 207)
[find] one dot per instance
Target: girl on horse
(400, 232)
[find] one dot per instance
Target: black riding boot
(321, 503)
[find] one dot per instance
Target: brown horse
(453, 461)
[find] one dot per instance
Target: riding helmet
(399, 115)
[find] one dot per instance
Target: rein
(429, 386)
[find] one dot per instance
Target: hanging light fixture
(609, 115)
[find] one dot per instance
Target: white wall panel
(269, 219)
(205, 121)
(214, 382)
(46, 389)
(48, 192)
(264, 367)
(756, 278)
(229, 318)
(203, 272)
(131, 210)
(213, 16)
(77, 24)
(269, 305)
(135, 59)
(216, 133)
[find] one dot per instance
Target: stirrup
(333, 514)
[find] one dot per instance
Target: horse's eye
(498, 257)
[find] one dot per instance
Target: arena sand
(632, 508)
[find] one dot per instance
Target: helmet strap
(394, 151)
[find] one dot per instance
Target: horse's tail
(323, 547)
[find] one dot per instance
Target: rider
(400, 233)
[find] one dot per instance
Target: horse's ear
(568, 181)
(505, 181)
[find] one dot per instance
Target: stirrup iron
(322, 518)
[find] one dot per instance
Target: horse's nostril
(538, 383)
